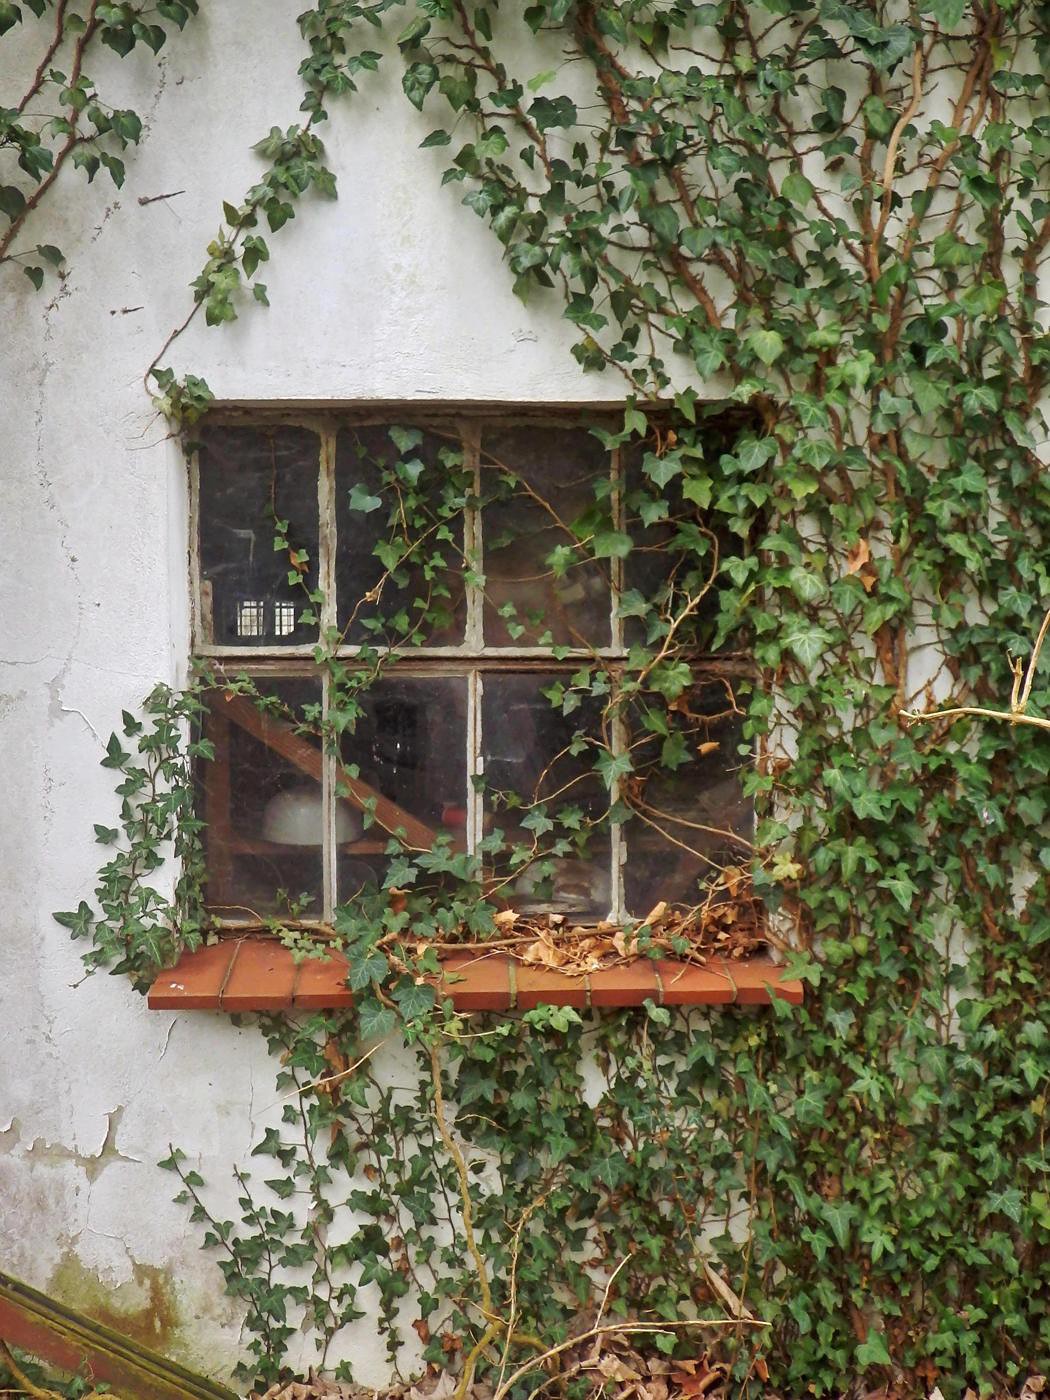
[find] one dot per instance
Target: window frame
(463, 423)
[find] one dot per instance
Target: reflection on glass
(250, 478)
(532, 777)
(263, 805)
(686, 816)
(405, 761)
(558, 494)
(421, 600)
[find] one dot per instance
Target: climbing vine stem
(809, 238)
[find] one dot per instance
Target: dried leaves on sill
(730, 924)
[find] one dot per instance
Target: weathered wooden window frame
(472, 659)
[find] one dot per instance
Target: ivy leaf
(661, 470)
(611, 767)
(374, 1020)
(417, 81)
(1009, 1203)
(671, 678)
(873, 1351)
(768, 346)
(360, 499)
(611, 544)
(12, 201)
(415, 999)
(808, 641)
(373, 967)
(902, 887)
(947, 13)
(698, 490)
(115, 755)
(797, 188)
(663, 221)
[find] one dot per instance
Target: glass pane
(542, 587)
(251, 478)
(406, 763)
(688, 815)
(263, 805)
(399, 528)
(674, 553)
(542, 800)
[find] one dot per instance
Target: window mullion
(329, 853)
(326, 531)
(618, 737)
(619, 515)
(475, 761)
(471, 437)
(617, 836)
(326, 536)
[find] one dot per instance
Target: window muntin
(468, 735)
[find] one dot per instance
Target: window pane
(406, 761)
(674, 553)
(249, 479)
(686, 815)
(544, 800)
(263, 804)
(399, 524)
(542, 588)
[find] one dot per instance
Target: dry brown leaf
(655, 1388)
(625, 943)
(858, 556)
(506, 918)
(708, 746)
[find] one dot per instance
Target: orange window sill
(255, 974)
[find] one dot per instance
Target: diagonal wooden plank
(61, 1337)
(280, 736)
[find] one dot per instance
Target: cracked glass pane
(405, 769)
(251, 481)
(263, 803)
(546, 808)
(691, 818)
(547, 495)
(399, 537)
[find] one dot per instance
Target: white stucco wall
(393, 292)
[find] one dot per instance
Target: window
(483, 588)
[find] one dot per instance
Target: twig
(1020, 693)
(891, 156)
(621, 1328)
(38, 1392)
(329, 1079)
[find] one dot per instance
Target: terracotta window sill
(253, 974)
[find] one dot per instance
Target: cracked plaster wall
(396, 292)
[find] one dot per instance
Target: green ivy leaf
(415, 1000)
(767, 346)
(374, 1020)
(873, 1351)
(362, 501)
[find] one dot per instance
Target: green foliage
(136, 927)
(772, 194)
(62, 118)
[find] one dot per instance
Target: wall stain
(144, 1307)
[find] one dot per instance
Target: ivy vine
(838, 213)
